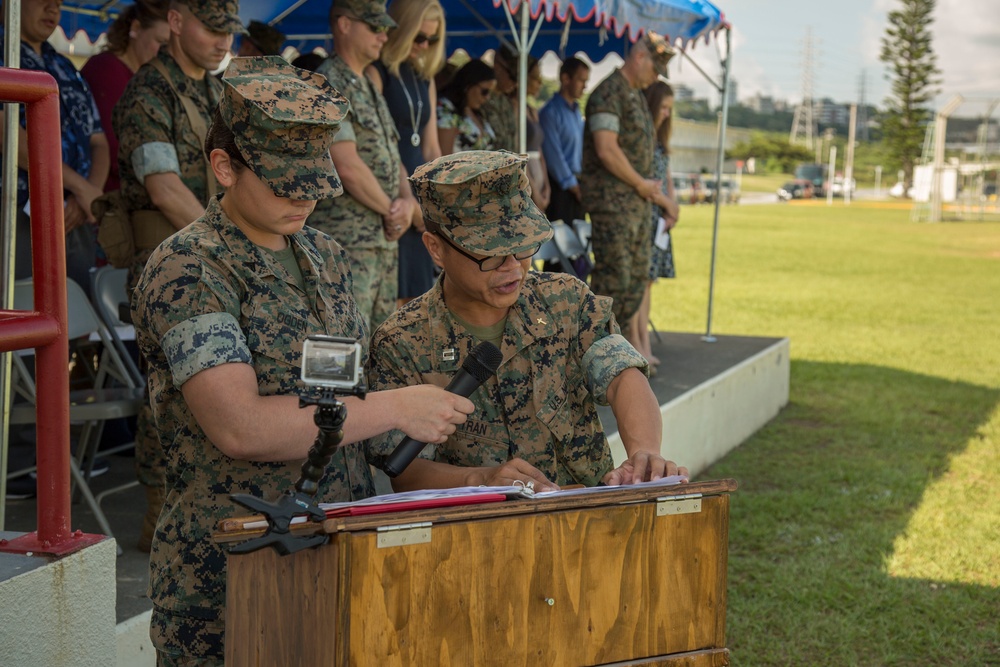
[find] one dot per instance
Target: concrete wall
(60, 613)
(134, 647)
(707, 422)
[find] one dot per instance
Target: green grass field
(866, 529)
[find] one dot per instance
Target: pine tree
(906, 49)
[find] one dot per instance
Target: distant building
(693, 145)
(829, 112)
(733, 96)
(761, 103)
(683, 93)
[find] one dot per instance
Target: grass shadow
(828, 493)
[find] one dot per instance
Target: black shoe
(101, 466)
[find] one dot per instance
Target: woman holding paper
(660, 98)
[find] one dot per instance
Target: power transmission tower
(804, 121)
(862, 107)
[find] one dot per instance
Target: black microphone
(482, 362)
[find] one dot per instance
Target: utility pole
(863, 106)
(804, 121)
(849, 160)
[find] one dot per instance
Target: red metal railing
(45, 328)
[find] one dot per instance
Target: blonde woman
(411, 57)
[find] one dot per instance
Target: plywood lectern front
(627, 574)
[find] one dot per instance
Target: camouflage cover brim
(482, 202)
(377, 18)
(284, 120)
(217, 21)
(309, 178)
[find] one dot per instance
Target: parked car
(800, 189)
(837, 186)
(683, 188)
(897, 191)
(729, 193)
(815, 173)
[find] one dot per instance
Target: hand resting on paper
(643, 466)
(517, 470)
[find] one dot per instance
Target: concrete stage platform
(712, 397)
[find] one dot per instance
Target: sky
(769, 41)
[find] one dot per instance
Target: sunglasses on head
(421, 38)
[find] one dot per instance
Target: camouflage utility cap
(266, 38)
(371, 12)
(481, 200)
(284, 120)
(660, 51)
(218, 15)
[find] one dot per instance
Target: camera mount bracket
(330, 416)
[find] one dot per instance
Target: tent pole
(719, 158)
(522, 80)
(8, 224)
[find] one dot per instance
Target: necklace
(414, 117)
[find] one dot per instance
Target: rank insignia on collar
(541, 321)
(448, 354)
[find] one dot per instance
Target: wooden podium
(627, 575)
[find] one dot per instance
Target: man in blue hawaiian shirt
(86, 159)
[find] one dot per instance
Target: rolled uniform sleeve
(604, 121)
(346, 133)
(157, 157)
(193, 313)
(145, 133)
(606, 353)
(203, 342)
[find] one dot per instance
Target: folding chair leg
(656, 334)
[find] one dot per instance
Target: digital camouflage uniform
(619, 216)
(561, 345)
(209, 296)
(561, 350)
(498, 111)
(374, 259)
(155, 136)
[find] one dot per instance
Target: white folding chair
(111, 301)
(91, 407)
(565, 249)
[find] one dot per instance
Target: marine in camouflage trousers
(374, 272)
(185, 641)
(620, 240)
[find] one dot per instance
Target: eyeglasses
(495, 262)
(377, 29)
(421, 38)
